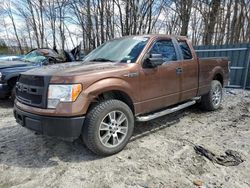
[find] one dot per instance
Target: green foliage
(3, 47)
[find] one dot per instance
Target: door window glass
(166, 49)
(186, 52)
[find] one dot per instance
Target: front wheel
(212, 100)
(108, 127)
(13, 93)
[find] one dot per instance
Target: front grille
(32, 80)
(29, 98)
(32, 90)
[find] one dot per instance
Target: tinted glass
(165, 48)
(185, 50)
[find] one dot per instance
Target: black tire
(13, 93)
(207, 102)
(5, 98)
(91, 134)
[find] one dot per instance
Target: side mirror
(152, 60)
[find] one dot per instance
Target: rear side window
(165, 48)
(186, 52)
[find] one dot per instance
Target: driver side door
(160, 86)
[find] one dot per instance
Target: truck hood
(13, 64)
(75, 68)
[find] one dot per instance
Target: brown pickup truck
(135, 78)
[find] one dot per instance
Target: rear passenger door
(190, 72)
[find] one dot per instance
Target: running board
(165, 112)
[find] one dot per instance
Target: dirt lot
(160, 154)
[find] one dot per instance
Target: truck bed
(208, 67)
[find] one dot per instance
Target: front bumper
(66, 128)
(4, 90)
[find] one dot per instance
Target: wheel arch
(219, 77)
(12, 80)
(112, 88)
(119, 95)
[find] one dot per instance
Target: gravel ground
(160, 153)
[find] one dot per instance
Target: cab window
(166, 49)
(186, 52)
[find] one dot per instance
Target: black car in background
(10, 70)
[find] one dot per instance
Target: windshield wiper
(102, 60)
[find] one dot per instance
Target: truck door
(190, 72)
(160, 86)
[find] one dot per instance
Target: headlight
(62, 93)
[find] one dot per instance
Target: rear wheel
(212, 100)
(108, 127)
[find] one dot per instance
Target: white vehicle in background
(11, 58)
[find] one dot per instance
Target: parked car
(132, 78)
(10, 70)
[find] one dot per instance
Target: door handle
(179, 70)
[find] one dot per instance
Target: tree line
(62, 23)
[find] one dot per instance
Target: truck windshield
(124, 50)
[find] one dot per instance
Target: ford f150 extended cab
(135, 78)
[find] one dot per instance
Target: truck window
(165, 48)
(125, 50)
(186, 52)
